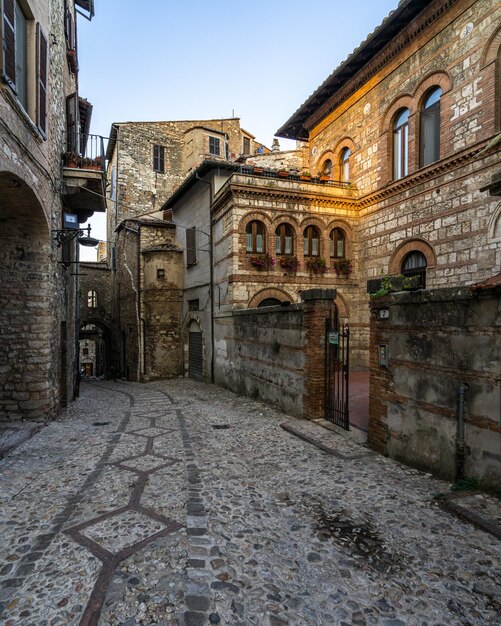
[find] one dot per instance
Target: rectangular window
(160, 273)
(215, 146)
(158, 159)
(193, 305)
(21, 58)
(113, 184)
(246, 145)
(42, 75)
(191, 246)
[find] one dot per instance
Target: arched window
(344, 165)
(401, 144)
(268, 302)
(414, 264)
(430, 128)
(327, 168)
(92, 299)
(284, 239)
(311, 241)
(337, 243)
(254, 237)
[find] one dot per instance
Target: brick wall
(437, 340)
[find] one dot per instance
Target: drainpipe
(460, 446)
(211, 278)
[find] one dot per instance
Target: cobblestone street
(180, 503)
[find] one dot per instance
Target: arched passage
(31, 375)
(99, 350)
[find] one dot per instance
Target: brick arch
(273, 292)
(434, 79)
(311, 221)
(344, 226)
(491, 49)
(259, 216)
(285, 218)
(412, 245)
(326, 154)
(342, 306)
(346, 142)
(494, 228)
(403, 101)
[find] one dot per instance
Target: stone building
(42, 118)
(147, 161)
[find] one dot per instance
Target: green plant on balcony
(71, 159)
(262, 261)
(396, 282)
(342, 267)
(289, 263)
(316, 265)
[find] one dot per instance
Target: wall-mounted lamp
(72, 231)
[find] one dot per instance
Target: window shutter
(9, 42)
(191, 247)
(158, 158)
(42, 76)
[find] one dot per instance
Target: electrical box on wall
(383, 355)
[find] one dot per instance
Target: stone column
(317, 307)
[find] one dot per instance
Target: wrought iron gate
(337, 355)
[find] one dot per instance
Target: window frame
(281, 239)
(344, 165)
(251, 244)
(213, 142)
(334, 241)
(92, 299)
(191, 246)
(400, 139)
(159, 158)
(419, 270)
(430, 128)
(308, 240)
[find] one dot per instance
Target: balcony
(84, 175)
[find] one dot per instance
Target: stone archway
(31, 374)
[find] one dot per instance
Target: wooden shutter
(42, 80)
(191, 246)
(9, 42)
(158, 159)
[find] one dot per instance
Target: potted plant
(343, 267)
(257, 169)
(289, 263)
(262, 261)
(71, 159)
(283, 173)
(316, 265)
(305, 175)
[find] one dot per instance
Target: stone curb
(316, 442)
(452, 502)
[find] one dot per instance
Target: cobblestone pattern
(274, 531)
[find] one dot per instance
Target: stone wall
(435, 341)
(37, 301)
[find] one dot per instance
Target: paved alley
(180, 503)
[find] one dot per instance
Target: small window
(92, 299)
(344, 165)
(85, 351)
(414, 264)
(215, 146)
(160, 273)
(113, 184)
(254, 237)
(284, 239)
(159, 159)
(401, 144)
(337, 243)
(191, 246)
(247, 148)
(430, 128)
(327, 167)
(194, 305)
(311, 241)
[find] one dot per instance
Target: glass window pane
(248, 245)
(277, 244)
(397, 156)
(340, 247)
(314, 245)
(288, 245)
(305, 244)
(259, 243)
(405, 150)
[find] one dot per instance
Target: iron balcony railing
(85, 151)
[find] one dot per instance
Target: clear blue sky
(193, 59)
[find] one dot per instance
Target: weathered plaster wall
(437, 340)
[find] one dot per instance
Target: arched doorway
(32, 377)
(195, 351)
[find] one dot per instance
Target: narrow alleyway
(180, 503)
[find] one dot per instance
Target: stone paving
(178, 503)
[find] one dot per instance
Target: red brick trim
(341, 305)
(491, 49)
(259, 216)
(285, 218)
(346, 142)
(263, 294)
(412, 245)
(434, 79)
(403, 101)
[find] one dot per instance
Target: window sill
(18, 107)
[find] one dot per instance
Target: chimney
(276, 146)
